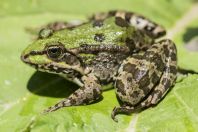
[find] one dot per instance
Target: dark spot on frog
(86, 100)
(98, 23)
(57, 105)
(165, 46)
(72, 101)
(149, 28)
(37, 52)
(120, 87)
(155, 47)
(146, 90)
(137, 56)
(135, 94)
(51, 67)
(159, 93)
(149, 54)
(157, 59)
(173, 57)
(99, 37)
(129, 79)
(121, 22)
(166, 50)
(83, 88)
(112, 13)
(160, 65)
(130, 43)
(59, 70)
(162, 33)
(128, 16)
(75, 94)
(41, 67)
(130, 68)
(173, 69)
(143, 78)
(155, 78)
(166, 83)
(138, 20)
(96, 94)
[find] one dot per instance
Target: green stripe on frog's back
(108, 33)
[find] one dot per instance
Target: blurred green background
(25, 92)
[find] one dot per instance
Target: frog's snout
(24, 58)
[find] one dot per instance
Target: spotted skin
(153, 83)
(90, 92)
(116, 47)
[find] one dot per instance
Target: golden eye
(55, 52)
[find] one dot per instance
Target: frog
(118, 47)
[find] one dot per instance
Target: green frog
(116, 47)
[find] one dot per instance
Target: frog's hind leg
(142, 23)
(168, 78)
(88, 93)
(166, 81)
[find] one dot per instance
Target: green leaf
(25, 92)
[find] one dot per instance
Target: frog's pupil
(54, 52)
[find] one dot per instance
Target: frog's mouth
(50, 67)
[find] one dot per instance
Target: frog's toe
(121, 110)
(50, 109)
(114, 113)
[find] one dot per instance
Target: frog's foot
(123, 110)
(144, 24)
(90, 92)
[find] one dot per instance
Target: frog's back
(95, 32)
(103, 45)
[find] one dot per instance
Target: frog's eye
(55, 52)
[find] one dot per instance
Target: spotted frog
(116, 47)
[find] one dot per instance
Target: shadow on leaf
(50, 85)
(190, 34)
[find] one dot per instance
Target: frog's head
(49, 54)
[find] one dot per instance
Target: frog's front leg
(148, 90)
(90, 92)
